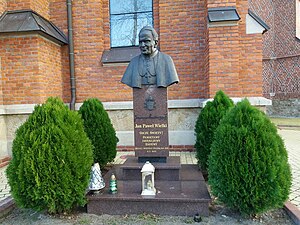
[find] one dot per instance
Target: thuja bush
(100, 130)
(206, 124)
(51, 159)
(248, 164)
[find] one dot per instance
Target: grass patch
(288, 122)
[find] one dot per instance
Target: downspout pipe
(71, 55)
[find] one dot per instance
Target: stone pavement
(4, 187)
(292, 142)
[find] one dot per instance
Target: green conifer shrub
(248, 164)
(206, 124)
(52, 158)
(100, 130)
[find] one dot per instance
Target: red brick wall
(50, 68)
(18, 4)
(2, 9)
(234, 57)
(30, 70)
(281, 49)
(58, 16)
(182, 25)
(3, 5)
(206, 54)
(250, 68)
(221, 3)
(223, 55)
(91, 79)
(19, 71)
(207, 59)
(40, 6)
(224, 60)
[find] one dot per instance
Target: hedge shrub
(248, 164)
(100, 130)
(206, 124)
(52, 158)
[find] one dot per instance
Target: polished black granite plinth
(170, 170)
(186, 196)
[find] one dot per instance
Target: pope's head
(148, 39)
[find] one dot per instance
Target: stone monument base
(186, 196)
(152, 159)
(170, 170)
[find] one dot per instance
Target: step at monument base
(185, 197)
(163, 171)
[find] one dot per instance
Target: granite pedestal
(185, 196)
(163, 171)
(180, 189)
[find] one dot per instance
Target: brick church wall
(207, 59)
(234, 57)
(58, 16)
(31, 69)
(50, 68)
(281, 49)
(39, 6)
(250, 68)
(19, 70)
(183, 35)
(182, 21)
(281, 56)
(201, 75)
(3, 6)
(182, 26)
(18, 4)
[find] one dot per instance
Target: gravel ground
(218, 215)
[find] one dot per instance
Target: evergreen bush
(206, 124)
(52, 158)
(100, 130)
(248, 164)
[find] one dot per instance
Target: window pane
(129, 6)
(124, 28)
(144, 5)
(127, 17)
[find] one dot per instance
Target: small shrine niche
(148, 188)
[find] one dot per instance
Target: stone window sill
(119, 55)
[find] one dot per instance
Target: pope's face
(146, 42)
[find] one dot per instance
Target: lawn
(292, 123)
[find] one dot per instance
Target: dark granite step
(131, 169)
(186, 196)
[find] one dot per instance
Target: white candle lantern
(96, 179)
(148, 188)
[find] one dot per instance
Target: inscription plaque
(150, 121)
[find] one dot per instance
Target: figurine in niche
(149, 185)
(151, 67)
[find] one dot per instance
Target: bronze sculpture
(151, 67)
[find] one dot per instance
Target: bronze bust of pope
(151, 67)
